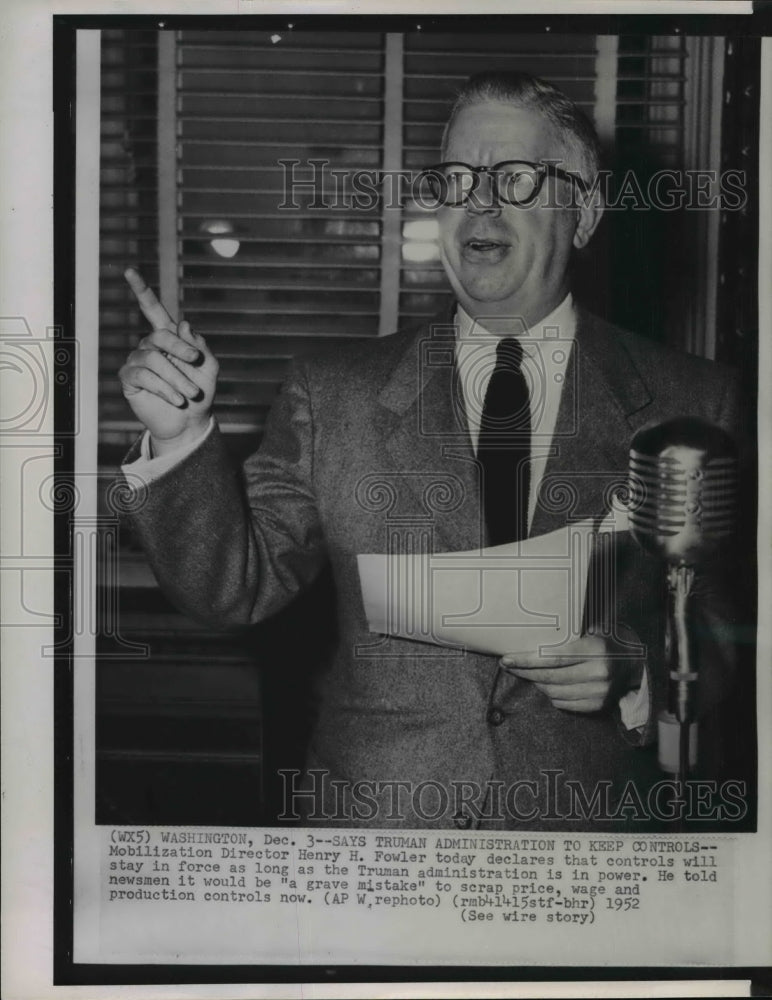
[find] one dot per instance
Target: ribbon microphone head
(683, 490)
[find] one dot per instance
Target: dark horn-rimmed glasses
(514, 182)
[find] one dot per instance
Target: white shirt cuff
(634, 706)
(153, 468)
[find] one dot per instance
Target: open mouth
(481, 251)
(483, 245)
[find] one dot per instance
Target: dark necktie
(504, 447)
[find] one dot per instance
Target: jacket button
(496, 716)
(462, 821)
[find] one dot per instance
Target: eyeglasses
(514, 182)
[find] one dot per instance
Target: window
(227, 165)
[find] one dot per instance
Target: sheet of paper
(521, 597)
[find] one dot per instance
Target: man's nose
(484, 197)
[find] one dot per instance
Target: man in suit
(397, 440)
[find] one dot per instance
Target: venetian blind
(267, 126)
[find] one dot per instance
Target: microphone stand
(682, 669)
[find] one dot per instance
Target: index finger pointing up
(152, 309)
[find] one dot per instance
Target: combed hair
(522, 90)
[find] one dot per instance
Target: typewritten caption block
(513, 879)
(269, 883)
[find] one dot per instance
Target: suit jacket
(368, 451)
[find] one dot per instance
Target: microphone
(683, 491)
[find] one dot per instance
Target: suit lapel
(600, 407)
(429, 438)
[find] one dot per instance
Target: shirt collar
(562, 317)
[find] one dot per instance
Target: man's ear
(589, 215)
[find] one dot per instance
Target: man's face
(503, 260)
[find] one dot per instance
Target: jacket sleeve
(232, 546)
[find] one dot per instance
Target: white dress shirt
(547, 347)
